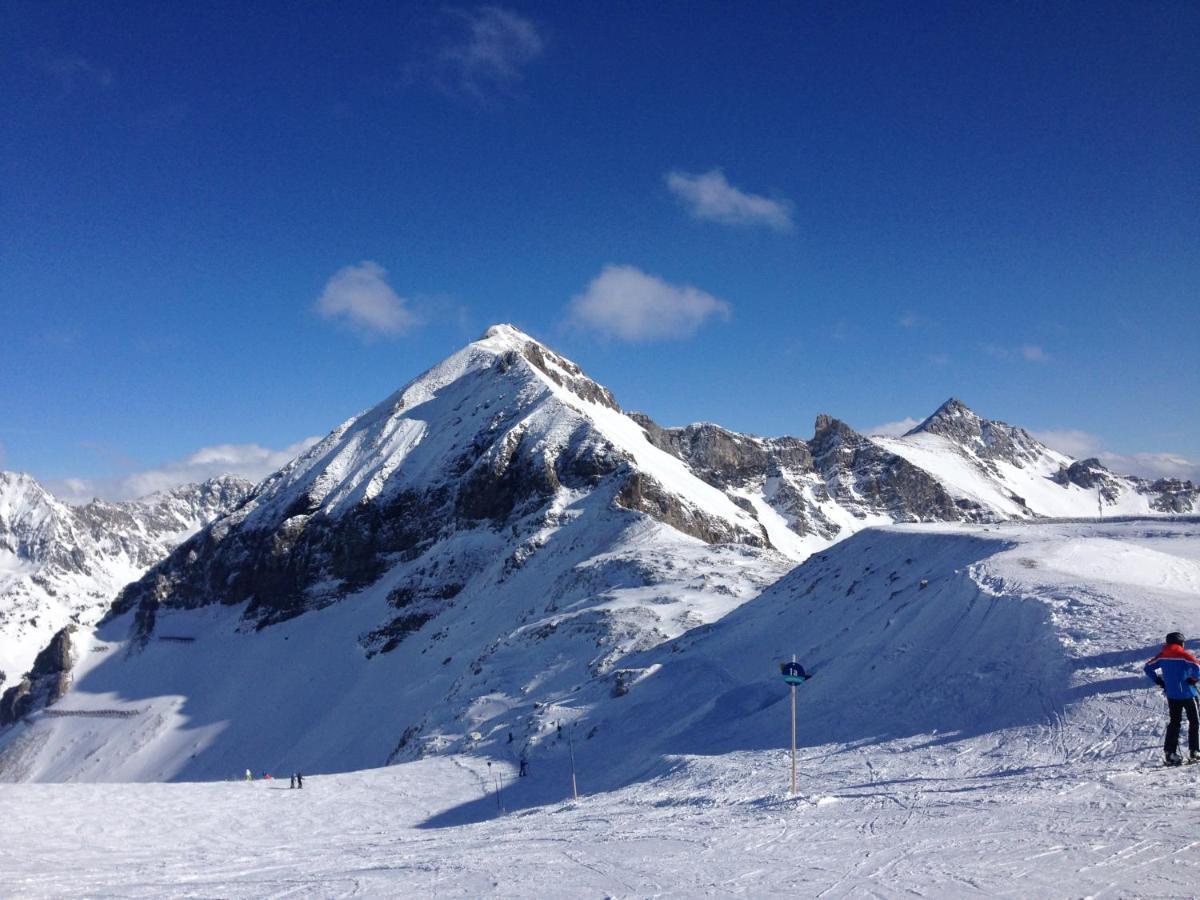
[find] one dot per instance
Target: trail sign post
(571, 745)
(794, 675)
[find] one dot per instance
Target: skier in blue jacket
(1177, 672)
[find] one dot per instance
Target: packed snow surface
(977, 725)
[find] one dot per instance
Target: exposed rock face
(866, 478)
(1172, 495)
(642, 493)
(725, 458)
(811, 484)
(45, 683)
(282, 567)
(1090, 475)
(557, 368)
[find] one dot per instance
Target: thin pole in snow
(497, 779)
(793, 734)
(571, 747)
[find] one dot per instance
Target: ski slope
(862, 827)
(977, 725)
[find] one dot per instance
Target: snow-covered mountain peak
(953, 419)
(949, 411)
(560, 372)
(504, 391)
(987, 439)
(33, 523)
(494, 439)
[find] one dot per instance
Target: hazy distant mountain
(63, 564)
(1006, 469)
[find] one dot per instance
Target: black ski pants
(1178, 708)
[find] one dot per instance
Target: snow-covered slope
(496, 531)
(976, 725)
(62, 564)
(471, 559)
(1005, 469)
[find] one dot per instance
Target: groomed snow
(977, 725)
(862, 827)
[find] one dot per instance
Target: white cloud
(711, 197)
(1027, 352)
(626, 303)
(490, 58)
(1154, 465)
(895, 429)
(1082, 445)
(361, 296)
(1078, 444)
(251, 461)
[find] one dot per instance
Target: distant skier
(292, 784)
(524, 770)
(299, 780)
(1177, 672)
(249, 775)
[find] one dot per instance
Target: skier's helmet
(1175, 637)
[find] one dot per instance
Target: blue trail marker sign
(793, 672)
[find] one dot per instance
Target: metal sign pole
(793, 734)
(794, 676)
(571, 745)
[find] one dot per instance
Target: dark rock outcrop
(864, 477)
(1090, 475)
(1173, 495)
(643, 493)
(44, 684)
(725, 458)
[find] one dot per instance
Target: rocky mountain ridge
(494, 535)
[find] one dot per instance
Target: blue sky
(226, 229)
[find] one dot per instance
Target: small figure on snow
(524, 770)
(292, 784)
(1177, 672)
(249, 775)
(299, 780)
